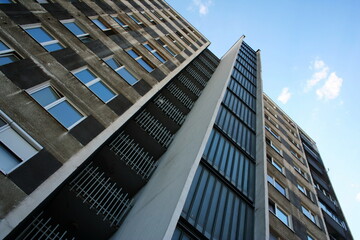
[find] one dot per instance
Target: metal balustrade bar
(101, 194)
(196, 76)
(180, 95)
(189, 85)
(169, 109)
(133, 155)
(155, 128)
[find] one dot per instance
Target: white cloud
(284, 96)
(358, 197)
(321, 73)
(331, 88)
(202, 5)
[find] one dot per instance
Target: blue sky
(310, 54)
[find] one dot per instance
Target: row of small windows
(231, 163)
(240, 109)
(250, 58)
(244, 95)
(241, 79)
(248, 66)
(215, 210)
(236, 130)
(249, 75)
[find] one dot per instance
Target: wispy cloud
(331, 88)
(321, 72)
(284, 96)
(202, 6)
(332, 85)
(358, 197)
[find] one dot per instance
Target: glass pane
(2, 122)
(277, 166)
(39, 34)
(145, 65)
(282, 216)
(45, 96)
(85, 39)
(119, 21)
(161, 59)
(3, 46)
(74, 28)
(8, 58)
(127, 76)
(102, 91)
(148, 47)
(169, 50)
(85, 76)
(134, 18)
(53, 47)
(8, 160)
(99, 24)
(112, 63)
(280, 188)
(66, 114)
(6, 1)
(132, 53)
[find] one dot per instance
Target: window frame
(148, 17)
(121, 22)
(61, 99)
(46, 43)
(140, 58)
(309, 214)
(121, 66)
(8, 52)
(102, 22)
(275, 183)
(166, 47)
(273, 146)
(93, 82)
(275, 163)
(273, 132)
(177, 44)
(154, 52)
(84, 38)
(10, 124)
(278, 208)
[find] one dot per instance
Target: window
(102, 25)
(7, 55)
(300, 171)
(179, 45)
(187, 42)
(308, 237)
(188, 34)
(275, 134)
(275, 163)
(295, 154)
(166, 47)
(77, 31)
(148, 17)
(121, 70)
(16, 146)
(158, 15)
(154, 52)
(6, 1)
(277, 185)
(140, 60)
(271, 121)
(43, 38)
(279, 213)
(277, 149)
(308, 214)
(95, 84)
(302, 189)
(121, 23)
(56, 104)
(135, 19)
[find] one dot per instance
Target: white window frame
(301, 172)
(276, 164)
(106, 25)
(135, 18)
(158, 15)
(179, 45)
(273, 181)
(43, 44)
(147, 16)
(9, 52)
(58, 101)
(117, 69)
(274, 147)
(85, 35)
(24, 135)
(140, 57)
(125, 26)
(278, 208)
(92, 82)
(153, 51)
(166, 47)
(309, 214)
(275, 134)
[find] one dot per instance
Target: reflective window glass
(74, 28)
(99, 24)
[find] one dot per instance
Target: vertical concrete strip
(261, 228)
(159, 205)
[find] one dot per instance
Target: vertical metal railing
(180, 95)
(169, 109)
